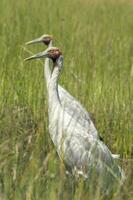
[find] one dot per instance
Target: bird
(83, 154)
(67, 100)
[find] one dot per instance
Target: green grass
(97, 42)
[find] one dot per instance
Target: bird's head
(46, 39)
(53, 53)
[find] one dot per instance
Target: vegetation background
(96, 37)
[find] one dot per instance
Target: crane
(82, 153)
(67, 100)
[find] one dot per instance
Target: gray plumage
(82, 151)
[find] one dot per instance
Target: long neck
(47, 70)
(53, 96)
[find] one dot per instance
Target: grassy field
(96, 38)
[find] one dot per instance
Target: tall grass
(96, 38)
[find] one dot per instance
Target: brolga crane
(82, 153)
(66, 99)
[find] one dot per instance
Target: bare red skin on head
(47, 40)
(54, 54)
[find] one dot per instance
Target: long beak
(43, 54)
(37, 40)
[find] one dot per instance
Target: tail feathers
(116, 156)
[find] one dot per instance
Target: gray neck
(53, 83)
(47, 70)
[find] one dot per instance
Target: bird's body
(82, 151)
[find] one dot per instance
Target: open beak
(37, 40)
(43, 54)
